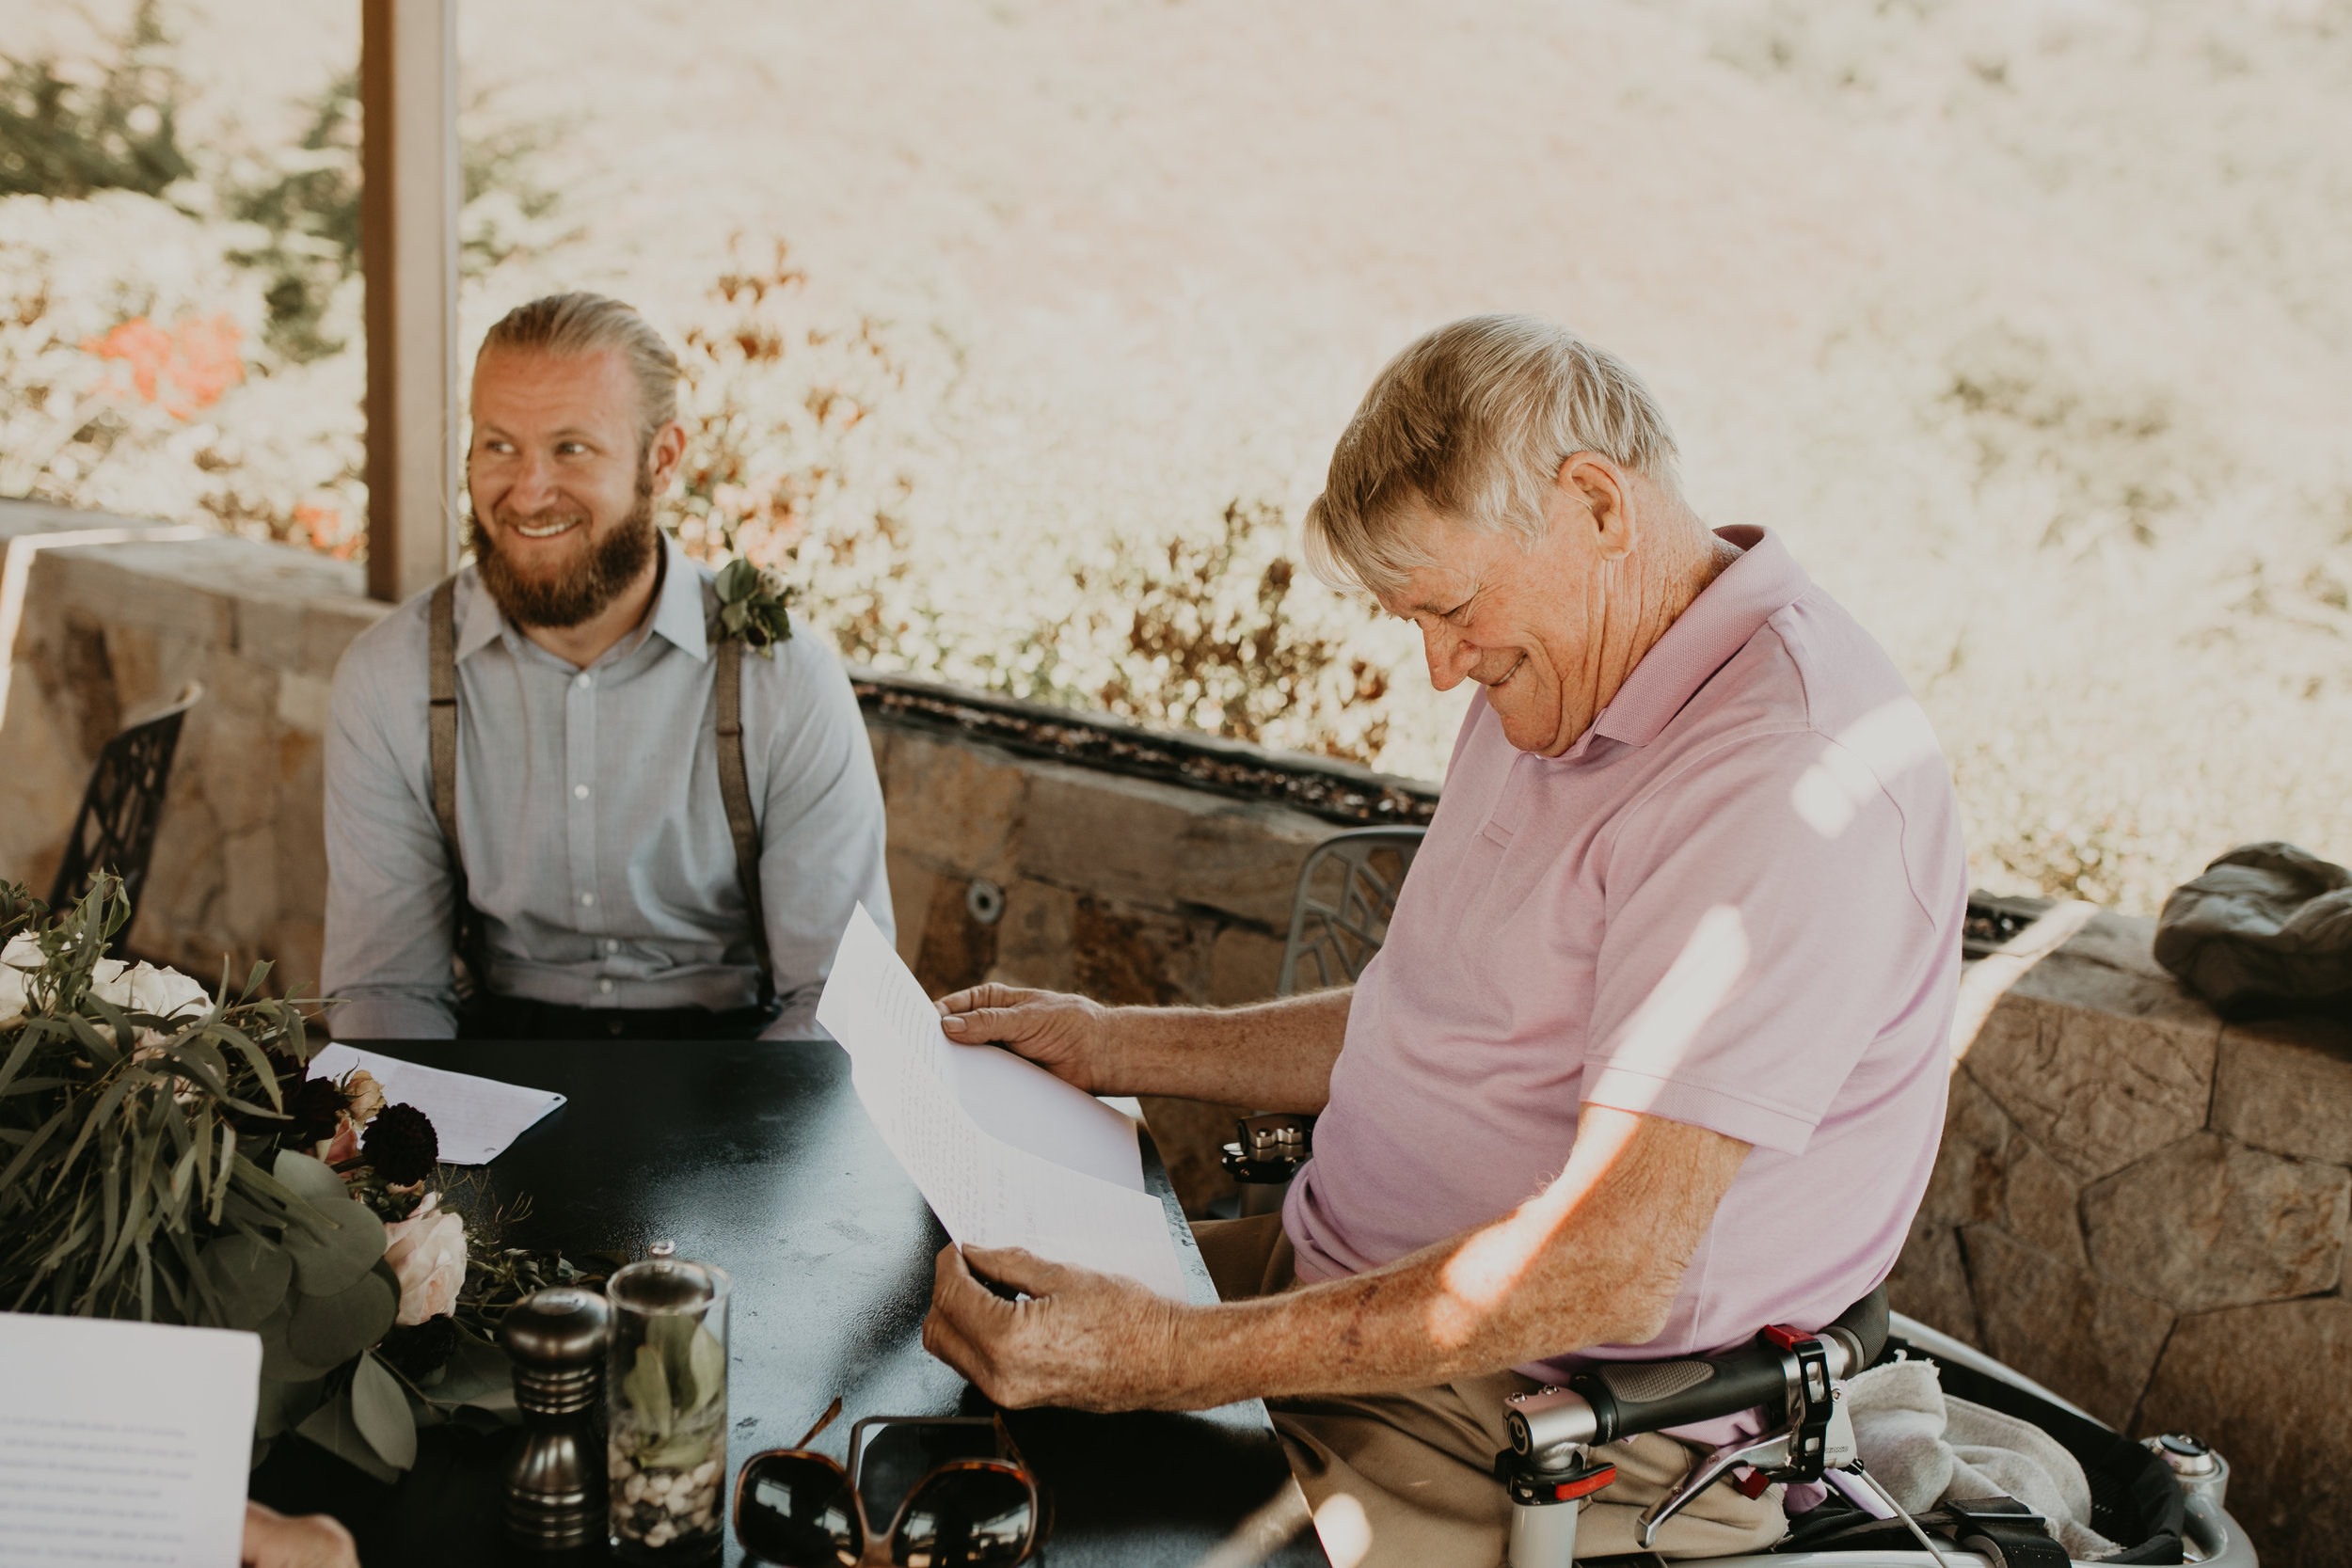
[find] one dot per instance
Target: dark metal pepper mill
(555, 1489)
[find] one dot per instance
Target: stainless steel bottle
(555, 1489)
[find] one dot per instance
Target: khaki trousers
(1422, 1462)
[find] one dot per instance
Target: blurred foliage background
(1018, 336)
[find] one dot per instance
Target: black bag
(2267, 928)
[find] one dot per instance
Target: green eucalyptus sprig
(754, 606)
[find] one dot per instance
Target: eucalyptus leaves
(753, 606)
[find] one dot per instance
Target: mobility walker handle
(1607, 1401)
(1793, 1374)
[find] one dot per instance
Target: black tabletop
(757, 1157)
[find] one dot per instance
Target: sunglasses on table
(953, 1489)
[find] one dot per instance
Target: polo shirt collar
(1765, 580)
(677, 610)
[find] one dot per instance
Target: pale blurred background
(1020, 332)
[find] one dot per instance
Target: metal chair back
(1340, 913)
(115, 831)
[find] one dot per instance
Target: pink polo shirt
(1736, 902)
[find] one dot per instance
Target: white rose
(109, 981)
(22, 953)
(427, 1250)
(166, 993)
(145, 989)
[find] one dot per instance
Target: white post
(409, 198)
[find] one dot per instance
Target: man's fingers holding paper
(1058, 1032)
(1082, 1339)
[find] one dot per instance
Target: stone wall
(110, 633)
(2145, 1209)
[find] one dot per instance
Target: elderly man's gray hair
(1472, 422)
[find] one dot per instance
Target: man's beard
(611, 563)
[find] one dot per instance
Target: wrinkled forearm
(1274, 1057)
(1595, 1258)
(1402, 1327)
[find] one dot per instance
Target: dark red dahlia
(401, 1144)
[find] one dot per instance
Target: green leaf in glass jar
(647, 1390)
(672, 1334)
(707, 1359)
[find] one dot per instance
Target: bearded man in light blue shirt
(531, 827)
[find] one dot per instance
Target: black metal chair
(1340, 913)
(1339, 918)
(115, 831)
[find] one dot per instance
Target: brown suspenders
(735, 791)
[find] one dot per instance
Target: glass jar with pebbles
(668, 1408)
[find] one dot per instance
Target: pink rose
(343, 1146)
(427, 1250)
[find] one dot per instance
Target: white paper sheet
(1004, 1153)
(123, 1445)
(476, 1119)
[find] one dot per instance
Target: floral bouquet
(163, 1156)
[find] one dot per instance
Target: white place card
(476, 1119)
(123, 1445)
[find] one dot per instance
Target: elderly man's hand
(313, 1541)
(1063, 1034)
(1082, 1340)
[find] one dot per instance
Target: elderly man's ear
(1592, 492)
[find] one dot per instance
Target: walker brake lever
(1768, 1452)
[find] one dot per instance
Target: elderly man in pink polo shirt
(1654, 1054)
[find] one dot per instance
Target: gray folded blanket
(1924, 1446)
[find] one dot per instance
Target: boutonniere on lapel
(753, 606)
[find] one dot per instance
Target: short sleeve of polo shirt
(1750, 956)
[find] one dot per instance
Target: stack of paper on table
(1005, 1153)
(123, 1443)
(476, 1119)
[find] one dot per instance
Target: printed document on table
(1005, 1153)
(476, 1119)
(124, 1443)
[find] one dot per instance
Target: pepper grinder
(555, 1489)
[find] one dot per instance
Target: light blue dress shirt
(595, 844)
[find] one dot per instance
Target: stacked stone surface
(2148, 1211)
